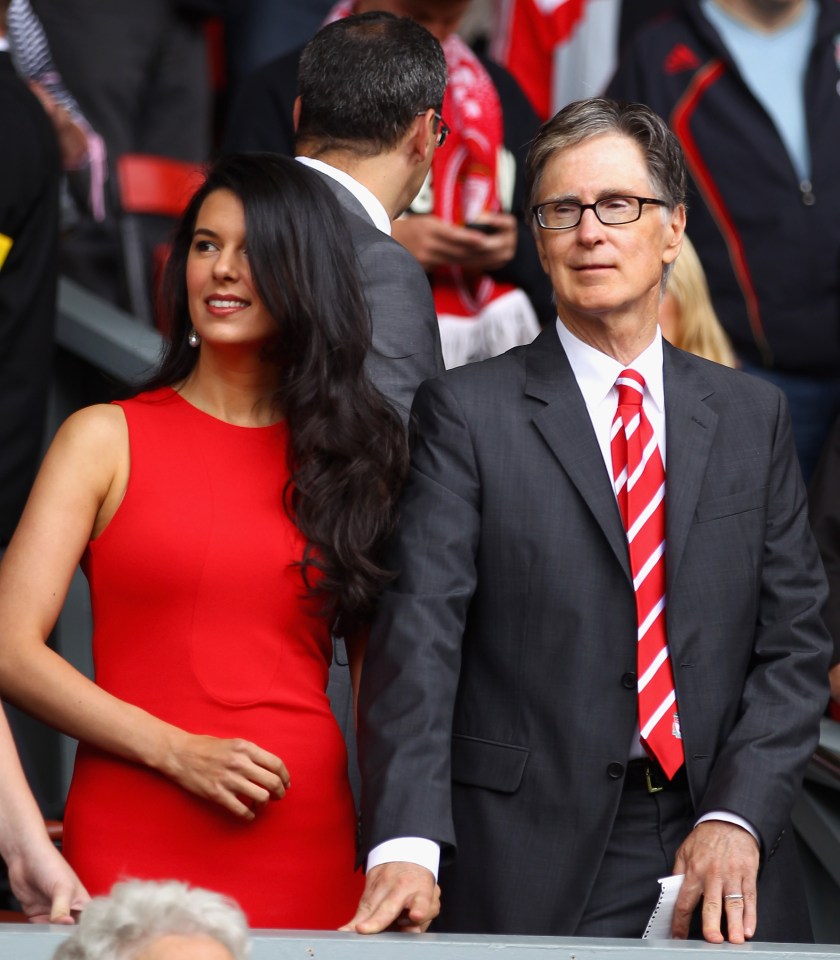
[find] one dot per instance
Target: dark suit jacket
(405, 352)
(495, 715)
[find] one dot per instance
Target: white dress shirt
(368, 200)
(596, 374)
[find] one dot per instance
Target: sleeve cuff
(425, 853)
(728, 817)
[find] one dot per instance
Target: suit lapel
(565, 426)
(690, 426)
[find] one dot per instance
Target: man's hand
(402, 896)
(499, 246)
(717, 858)
(435, 243)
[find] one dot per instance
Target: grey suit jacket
(496, 713)
(405, 352)
(406, 340)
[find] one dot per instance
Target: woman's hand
(236, 774)
(48, 890)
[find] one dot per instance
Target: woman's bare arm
(78, 490)
(41, 879)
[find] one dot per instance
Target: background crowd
(414, 211)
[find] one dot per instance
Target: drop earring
(193, 339)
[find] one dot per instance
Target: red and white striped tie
(639, 479)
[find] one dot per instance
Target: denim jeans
(814, 406)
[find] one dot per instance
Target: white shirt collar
(4, 44)
(596, 372)
(368, 200)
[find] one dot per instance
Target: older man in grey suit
(584, 677)
(368, 120)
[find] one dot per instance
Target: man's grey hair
(362, 81)
(597, 116)
(136, 913)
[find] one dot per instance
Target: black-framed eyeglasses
(565, 214)
(443, 129)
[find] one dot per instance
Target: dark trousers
(647, 832)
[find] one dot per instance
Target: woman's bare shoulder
(92, 443)
(100, 425)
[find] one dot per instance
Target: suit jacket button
(615, 770)
(628, 681)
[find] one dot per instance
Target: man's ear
(674, 235)
(420, 136)
(296, 113)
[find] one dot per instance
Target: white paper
(662, 918)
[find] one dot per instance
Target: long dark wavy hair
(348, 453)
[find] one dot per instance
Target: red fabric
(214, 33)
(200, 619)
(528, 34)
(464, 172)
(639, 477)
(681, 59)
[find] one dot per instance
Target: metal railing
(108, 339)
(29, 943)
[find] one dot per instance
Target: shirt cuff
(419, 850)
(728, 817)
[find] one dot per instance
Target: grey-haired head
(137, 914)
(595, 117)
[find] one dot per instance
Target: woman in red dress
(226, 517)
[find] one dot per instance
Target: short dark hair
(347, 452)
(362, 81)
(597, 116)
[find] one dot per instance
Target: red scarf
(525, 35)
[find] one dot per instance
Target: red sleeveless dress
(201, 618)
